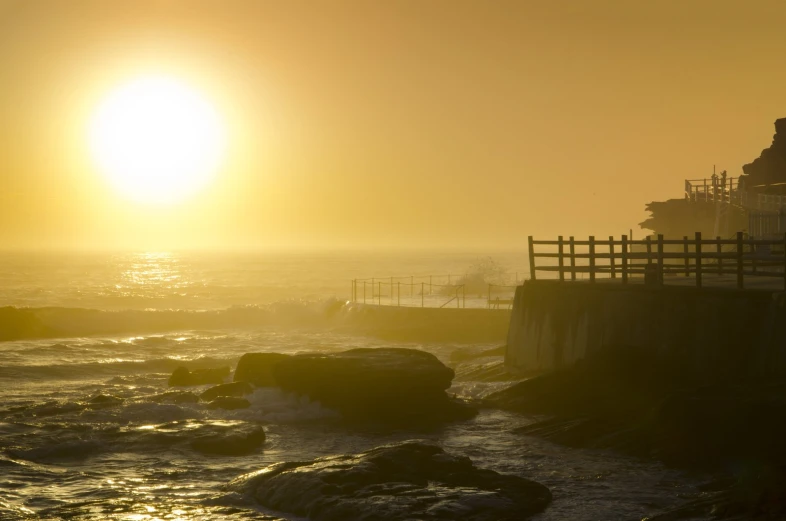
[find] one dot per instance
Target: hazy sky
(390, 123)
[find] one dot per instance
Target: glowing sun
(157, 140)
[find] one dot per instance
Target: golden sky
(369, 123)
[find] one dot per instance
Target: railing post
(686, 251)
(611, 257)
(488, 301)
(560, 259)
(624, 259)
(719, 250)
(391, 291)
(592, 258)
(698, 259)
(572, 259)
(649, 249)
(740, 261)
(531, 259)
(660, 258)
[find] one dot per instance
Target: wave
(387, 322)
(61, 322)
(107, 368)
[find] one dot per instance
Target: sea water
(77, 412)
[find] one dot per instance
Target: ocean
(84, 436)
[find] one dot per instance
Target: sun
(157, 140)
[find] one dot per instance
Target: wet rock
(229, 403)
(391, 384)
(234, 441)
(257, 368)
(182, 377)
(175, 397)
(406, 481)
(236, 389)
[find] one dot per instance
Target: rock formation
(236, 389)
(384, 384)
(406, 481)
(182, 377)
(770, 166)
(257, 368)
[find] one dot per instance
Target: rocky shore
(411, 480)
(735, 429)
(391, 387)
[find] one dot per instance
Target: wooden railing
(694, 257)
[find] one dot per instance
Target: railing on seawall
(651, 260)
(373, 291)
(409, 292)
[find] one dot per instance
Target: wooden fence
(694, 257)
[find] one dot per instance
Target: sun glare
(157, 140)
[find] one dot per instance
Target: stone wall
(711, 333)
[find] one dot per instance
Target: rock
(229, 402)
(770, 166)
(257, 368)
(390, 384)
(236, 389)
(182, 377)
(234, 442)
(406, 481)
(174, 397)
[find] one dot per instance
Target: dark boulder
(233, 441)
(182, 377)
(174, 397)
(390, 384)
(229, 403)
(257, 368)
(236, 389)
(398, 482)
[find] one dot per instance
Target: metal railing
(408, 291)
(690, 257)
(370, 291)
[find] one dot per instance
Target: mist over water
(78, 410)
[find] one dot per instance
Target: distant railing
(408, 291)
(652, 259)
(368, 291)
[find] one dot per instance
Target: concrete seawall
(712, 333)
(429, 324)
